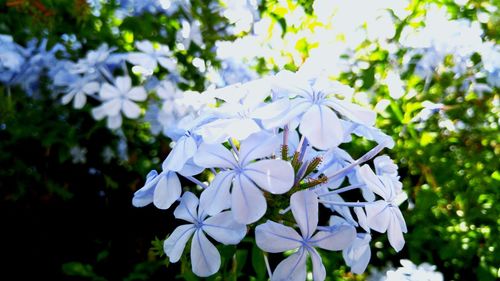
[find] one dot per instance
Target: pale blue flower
(315, 103)
(11, 60)
(275, 238)
(76, 88)
(190, 32)
(368, 132)
(163, 189)
(37, 58)
(246, 176)
(429, 109)
(93, 59)
(241, 114)
(186, 142)
(357, 256)
(149, 57)
(119, 97)
(78, 154)
(384, 215)
(384, 165)
(205, 258)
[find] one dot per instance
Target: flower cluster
(104, 76)
(267, 155)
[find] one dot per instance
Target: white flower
(205, 259)
(316, 104)
(150, 57)
(163, 189)
(78, 91)
(384, 215)
(275, 238)
(119, 98)
(247, 178)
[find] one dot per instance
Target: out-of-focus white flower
(78, 154)
(119, 97)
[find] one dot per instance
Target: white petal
(340, 238)
(190, 169)
(292, 268)
(319, 271)
(214, 156)
(67, 98)
(363, 222)
(273, 237)
(358, 254)
(353, 111)
(399, 215)
(112, 107)
(137, 94)
(175, 243)
(216, 197)
(205, 259)
(216, 131)
(91, 87)
(145, 46)
(167, 191)
(247, 201)
(99, 112)
(108, 91)
(290, 84)
(271, 110)
(366, 174)
(322, 127)
(187, 208)
(378, 215)
(80, 100)
(258, 145)
(143, 60)
(326, 86)
(395, 234)
(144, 196)
(167, 63)
(256, 91)
(130, 109)
(114, 122)
(183, 150)
(304, 206)
(273, 175)
(123, 83)
(296, 108)
(223, 228)
(240, 129)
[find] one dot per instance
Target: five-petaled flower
(246, 176)
(119, 97)
(273, 237)
(316, 105)
(205, 259)
(384, 215)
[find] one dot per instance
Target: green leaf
(258, 264)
